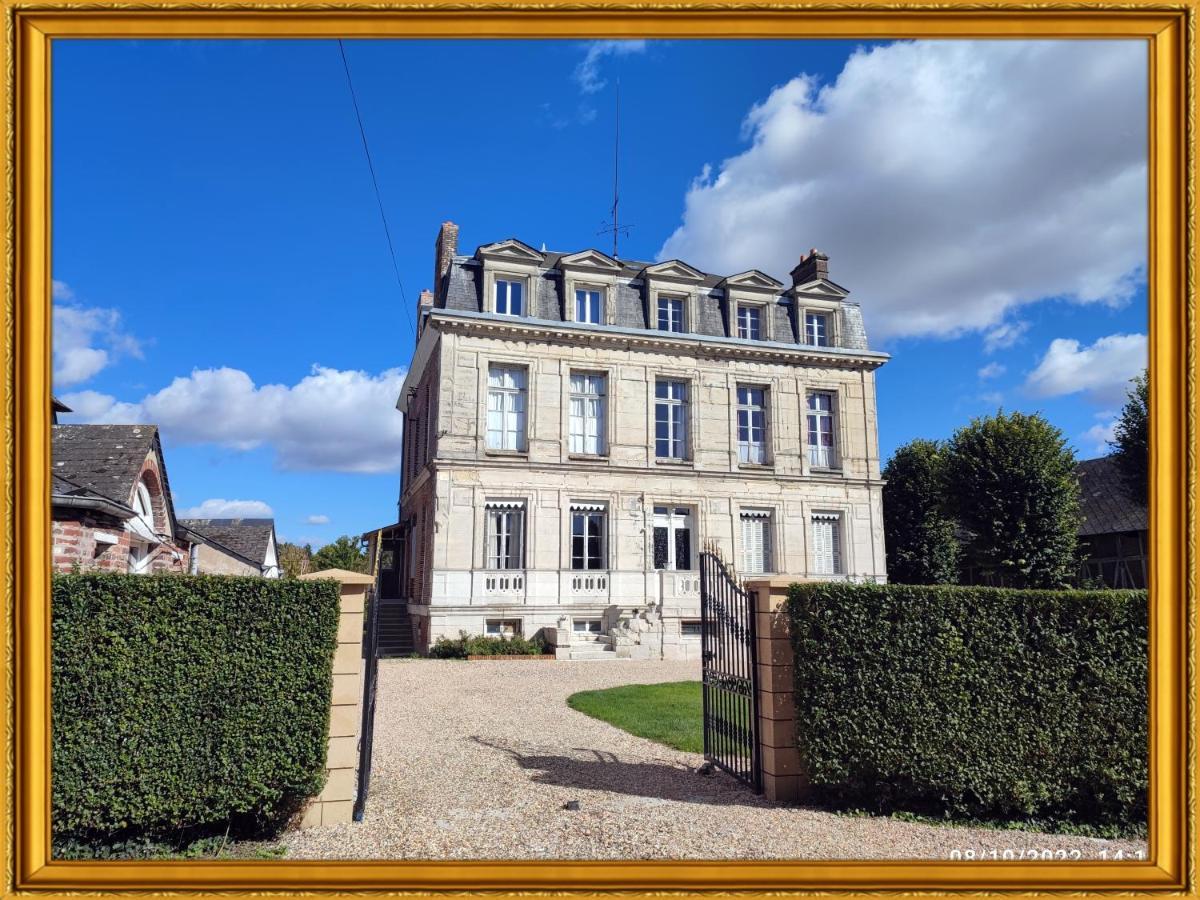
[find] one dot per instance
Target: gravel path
(474, 760)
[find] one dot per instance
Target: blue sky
(221, 269)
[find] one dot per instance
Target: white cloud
(587, 73)
(1097, 437)
(86, 338)
(217, 508)
(334, 420)
(992, 370)
(951, 182)
(1102, 370)
(316, 520)
(1004, 335)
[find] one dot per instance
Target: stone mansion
(578, 428)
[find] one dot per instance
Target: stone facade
(655, 511)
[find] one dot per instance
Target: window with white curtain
(506, 408)
(752, 424)
(670, 419)
(756, 541)
(587, 413)
(827, 544)
(505, 536)
(822, 451)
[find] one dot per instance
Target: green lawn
(670, 713)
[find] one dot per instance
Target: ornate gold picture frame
(30, 30)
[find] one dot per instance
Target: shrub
(486, 645)
(974, 702)
(186, 705)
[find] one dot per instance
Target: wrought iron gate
(730, 674)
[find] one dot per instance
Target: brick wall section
(73, 542)
(445, 246)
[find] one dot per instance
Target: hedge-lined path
(475, 760)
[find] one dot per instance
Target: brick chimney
(444, 250)
(811, 267)
(424, 302)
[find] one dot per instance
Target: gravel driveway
(474, 760)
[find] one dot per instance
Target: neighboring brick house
(1114, 534)
(111, 501)
(579, 427)
(232, 546)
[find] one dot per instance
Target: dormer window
(816, 329)
(589, 305)
(670, 314)
(510, 297)
(749, 322)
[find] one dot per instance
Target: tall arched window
(143, 535)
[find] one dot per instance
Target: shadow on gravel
(604, 771)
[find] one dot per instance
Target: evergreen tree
(921, 544)
(1011, 485)
(1131, 446)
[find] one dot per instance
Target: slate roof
(1106, 505)
(105, 459)
(246, 537)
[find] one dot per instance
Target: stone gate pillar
(335, 803)
(784, 777)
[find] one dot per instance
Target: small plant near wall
(465, 646)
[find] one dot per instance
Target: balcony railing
(504, 583)
(679, 585)
(589, 584)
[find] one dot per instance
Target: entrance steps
(591, 647)
(395, 629)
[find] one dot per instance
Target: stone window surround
(831, 307)
(657, 286)
(609, 502)
(695, 507)
(691, 379)
(769, 389)
(575, 276)
(847, 546)
(774, 530)
(840, 432)
(509, 270)
(511, 360)
(567, 368)
(528, 539)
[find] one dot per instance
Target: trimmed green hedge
(974, 702)
(185, 705)
(486, 645)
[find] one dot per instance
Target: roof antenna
(616, 227)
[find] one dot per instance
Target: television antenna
(615, 227)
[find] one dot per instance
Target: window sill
(825, 470)
(510, 454)
(667, 461)
(768, 467)
(588, 457)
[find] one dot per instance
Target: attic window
(749, 322)
(510, 297)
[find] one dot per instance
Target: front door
(674, 544)
(389, 568)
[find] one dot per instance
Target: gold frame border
(1169, 28)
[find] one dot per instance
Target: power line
(362, 131)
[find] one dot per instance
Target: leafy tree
(1011, 485)
(921, 544)
(344, 553)
(294, 560)
(1131, 447)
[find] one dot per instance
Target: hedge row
(185, 705)
(466, 645)
(974, 702)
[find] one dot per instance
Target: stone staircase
(591, 647)
(395, 629)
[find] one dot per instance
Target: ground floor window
(827, 543)
(587, 536)
(673, 541)
(505, 536)
(756, 542)
(691, 628)
(586, 626)
(503, 627)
